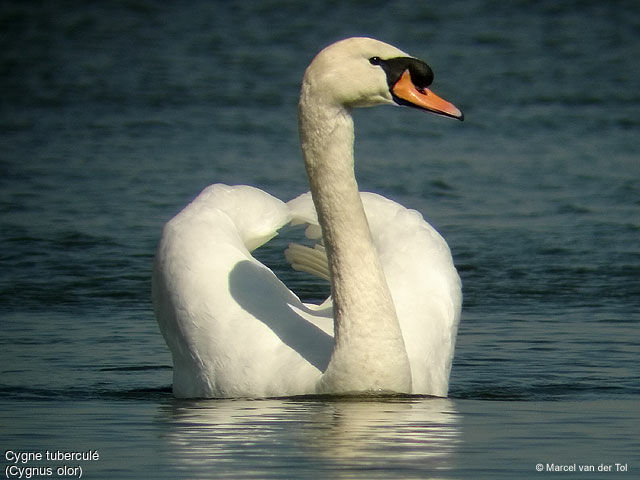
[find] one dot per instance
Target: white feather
(234, 329)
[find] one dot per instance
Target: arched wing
(419, 269)
(233, 327)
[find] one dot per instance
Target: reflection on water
(346, 438)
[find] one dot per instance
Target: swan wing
(425, 287)
(424, 283)
(234, 329)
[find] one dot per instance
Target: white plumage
(234, 329)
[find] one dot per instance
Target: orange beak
(423, 98)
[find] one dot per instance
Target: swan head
(362, 72)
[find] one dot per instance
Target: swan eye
(375, 61)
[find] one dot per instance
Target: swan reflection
(294, 438)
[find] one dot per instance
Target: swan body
(235, 330)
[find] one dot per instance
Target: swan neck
(369, 352)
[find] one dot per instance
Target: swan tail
(308, 259)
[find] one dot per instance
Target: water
(113, 116)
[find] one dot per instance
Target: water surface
(113, 116)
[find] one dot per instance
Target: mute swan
(235, 330)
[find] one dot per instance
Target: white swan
(235, 330)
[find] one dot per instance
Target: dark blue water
(114, 115)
